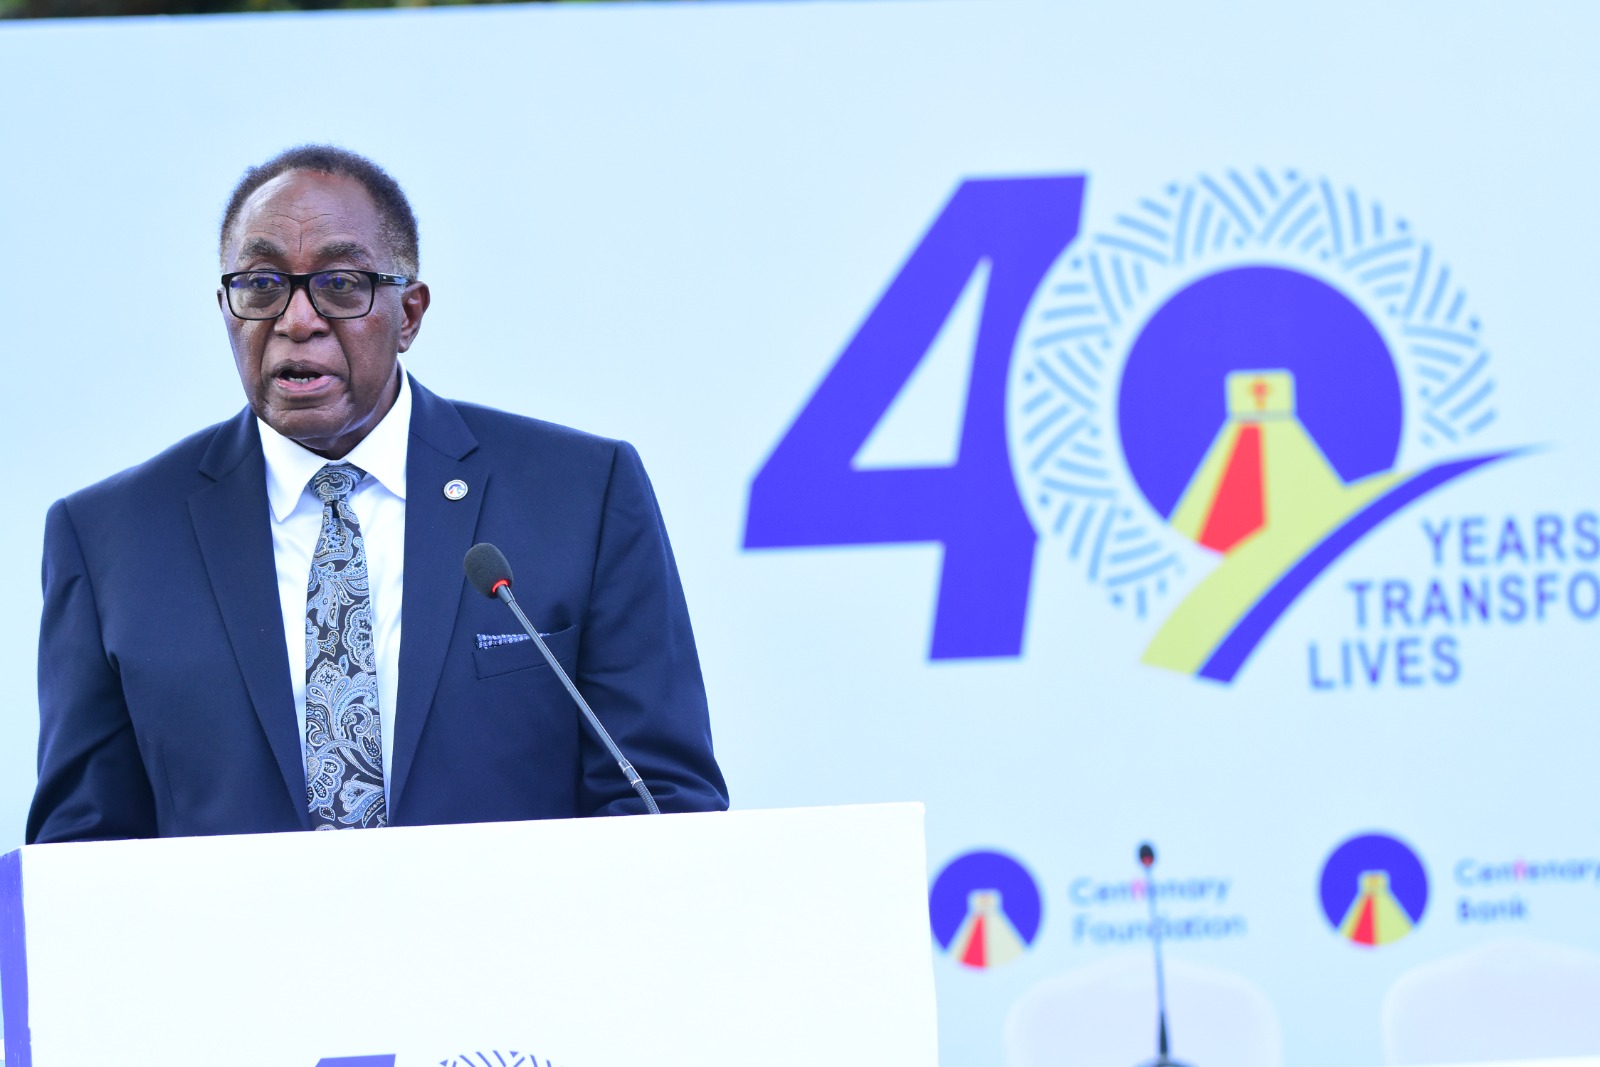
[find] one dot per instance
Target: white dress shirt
(379, 503)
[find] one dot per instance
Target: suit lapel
(234, 529)
(438, 533)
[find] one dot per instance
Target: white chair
(1104, 1015)
(1507, 999)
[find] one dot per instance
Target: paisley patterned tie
(344, 736)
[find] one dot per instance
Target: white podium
(717, 940)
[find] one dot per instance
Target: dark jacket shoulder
(493, 425)
(549, 445)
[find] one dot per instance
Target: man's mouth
(302, 379)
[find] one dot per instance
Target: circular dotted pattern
(1067, 451)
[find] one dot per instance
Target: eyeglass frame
(303, 281)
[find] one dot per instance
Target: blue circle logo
(985, 909)
(1374, 890)
(1174, 383)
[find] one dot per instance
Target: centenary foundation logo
(1374, 890)
(1115, 911)
(1204, 404)
(985, 909)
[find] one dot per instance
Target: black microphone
(1147, 860)
(490, 575)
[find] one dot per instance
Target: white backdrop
(665, 223)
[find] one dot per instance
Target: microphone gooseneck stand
(1147, 859)
(490, 575)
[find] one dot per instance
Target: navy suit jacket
(164, 692)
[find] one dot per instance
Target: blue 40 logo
(809, 494)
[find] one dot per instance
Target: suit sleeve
(637, 662)
(92, 780)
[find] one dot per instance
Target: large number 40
(809, 493)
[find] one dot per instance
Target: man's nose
(300, 320)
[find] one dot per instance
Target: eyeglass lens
(335, 294)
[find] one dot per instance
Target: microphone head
(486, 568)
(1147, 854)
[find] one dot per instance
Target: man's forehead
(311, 191)
(328, 215)
(253, 245)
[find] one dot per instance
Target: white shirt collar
(382, 454)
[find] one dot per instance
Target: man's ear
(413, 304)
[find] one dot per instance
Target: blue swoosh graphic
(1242, 640)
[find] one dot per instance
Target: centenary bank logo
(1374, 890)
(985, 909)
(1501, 891)
(1204, 405)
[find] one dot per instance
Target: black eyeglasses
(335, 294)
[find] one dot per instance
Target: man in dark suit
(331, 516)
